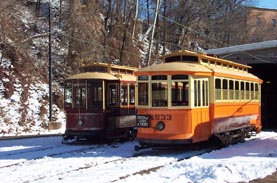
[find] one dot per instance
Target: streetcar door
(201, 110)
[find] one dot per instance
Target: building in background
(261, 24)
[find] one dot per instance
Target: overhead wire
(168, 19)
(204, 35)
(179, 24)
(111, 48)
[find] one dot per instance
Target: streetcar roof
(100, 75)
(235, 74)
(108, 65)
(195, 69)
(93, 75)
(176, 66)
(203, 56)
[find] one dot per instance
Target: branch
(31, 38)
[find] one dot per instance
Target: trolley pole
(50, 63)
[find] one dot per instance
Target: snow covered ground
(47, 160)
(14, 110)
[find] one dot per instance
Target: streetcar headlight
(160, 126)
(80, 122)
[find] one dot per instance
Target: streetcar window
(132, 94)
(142, 78)
(242, 90)
(231, 89)
(252, 91)
(130, 72)
(95, 95)
(179, 92)
(256, 91)
(175, 77)
(94, 69)
(112, 95)
(159, 77)
(122, 71)
(173, 59)
(225, 89)
(205, 93)
(124, 94)
(159, 94)
(201, 92)
(190, 58)
(247, 90)
(68, 95)
(217, 89)
(115, 70)
(197, 93)
(212, 62)
(205, 61)
(181, 58)
(236, 90)
(142, 93)
(79, 95)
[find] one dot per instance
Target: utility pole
(50, 64)
(153, 32)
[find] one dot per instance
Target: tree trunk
(135, 19)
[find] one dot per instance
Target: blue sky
(272, 4)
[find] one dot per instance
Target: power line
(135, 54)
(184, 26)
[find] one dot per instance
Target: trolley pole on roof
(50, 63)
(153, 32)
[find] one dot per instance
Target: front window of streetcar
(80, 94)
(143, 93)
(143, 90)
(95, 95)
(180, 90)
(68, 95)
(159, 91)
(159, 94)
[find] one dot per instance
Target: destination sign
(143, 121)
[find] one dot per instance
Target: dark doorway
(268, 73)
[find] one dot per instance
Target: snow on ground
(47, 160)
(12, 109)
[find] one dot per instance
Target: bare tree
(135, 19)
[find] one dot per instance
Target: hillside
(24, 91)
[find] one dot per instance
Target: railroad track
(28, 136)
(101, 159)
(121, 162)
(130, 157)
(179, 157)
(42, 155)
(41, 152)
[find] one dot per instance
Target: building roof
(253, 53)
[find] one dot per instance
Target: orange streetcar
(100, 103)
(191, 97)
